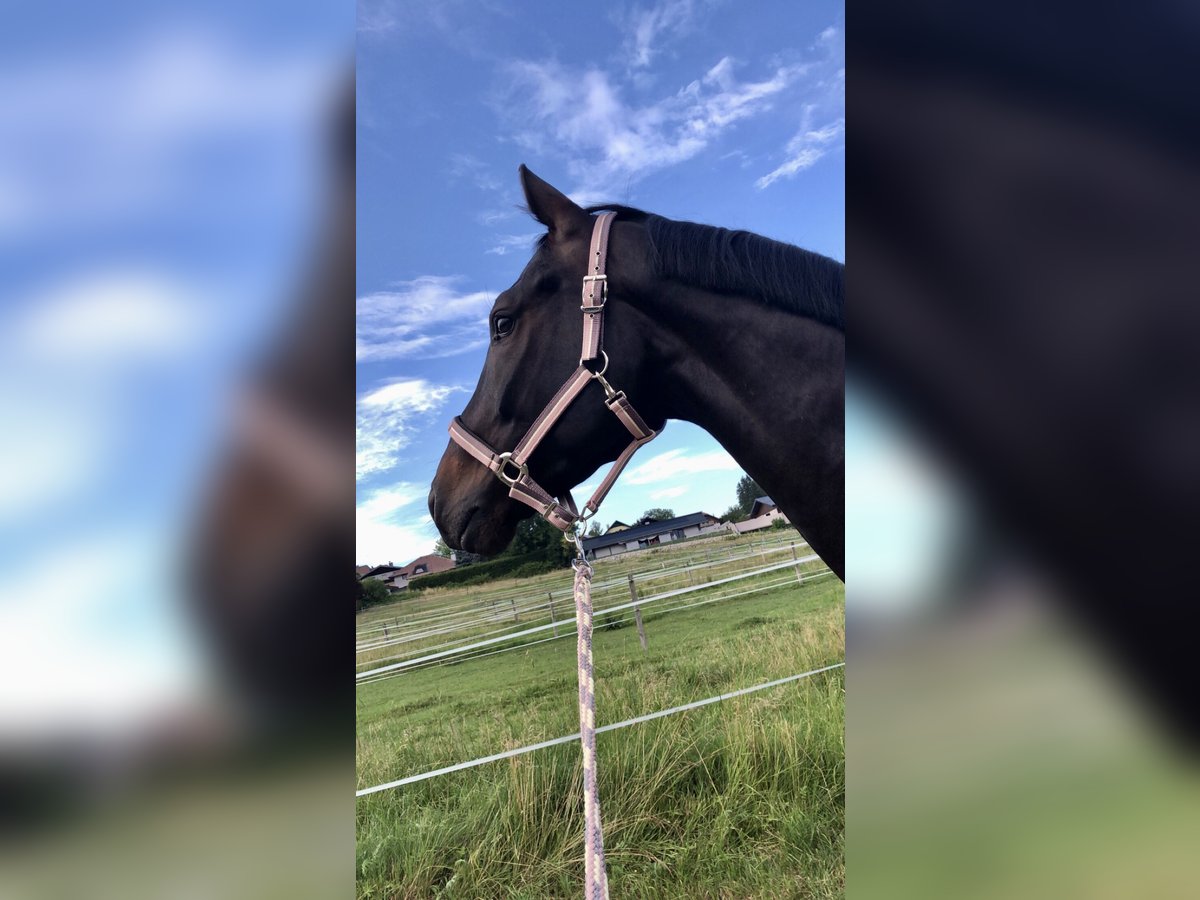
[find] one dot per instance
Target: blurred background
(174, 184)
(1023, 431)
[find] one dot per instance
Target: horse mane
(739, 262)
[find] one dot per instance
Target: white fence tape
(643, 602)
(507, 754)
(624, 620)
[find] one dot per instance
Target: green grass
(743, 798)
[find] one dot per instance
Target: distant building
(427, 565)
(360, 571)
(615, 527)
(387, 574)
(651, 534)
(763, 514)
(763, 506)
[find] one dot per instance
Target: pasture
(742, 798)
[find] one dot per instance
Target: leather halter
(512, 467)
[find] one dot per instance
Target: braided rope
(595, 878)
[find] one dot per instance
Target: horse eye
(504, 326)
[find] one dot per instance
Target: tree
(747, 492)
(536, 536)
(375, 591)
(656, 514)
(595, 530)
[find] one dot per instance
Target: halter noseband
(512, 467)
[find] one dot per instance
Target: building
(649, 535)
(427, 565)
(387, 574)
(615, 527)
(763, 506)
(763, 514)
(397, 577)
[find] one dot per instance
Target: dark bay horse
(742, 335)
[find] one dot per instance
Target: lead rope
(595, 879)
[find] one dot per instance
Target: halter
(512, 467)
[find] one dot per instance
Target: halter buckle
(505, 459)
(603, 279)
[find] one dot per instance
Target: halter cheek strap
(512, 467)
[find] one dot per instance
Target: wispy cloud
(669, 493)
(676, 463)
(827, 104)
(611, 140)
(803, 151)
(387, 419)
(490, 217)
(388, 525)
(646, 25)
(424, 318)
(514, 242)
(466, 167)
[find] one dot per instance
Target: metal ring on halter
(505, 459)
(603, 368)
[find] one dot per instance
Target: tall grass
(739, 799)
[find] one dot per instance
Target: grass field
(743, 798)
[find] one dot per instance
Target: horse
(742, 335)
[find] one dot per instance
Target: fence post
(385, 631)
(637, 613)
(553, 618)
(513, 601)
(799, 577)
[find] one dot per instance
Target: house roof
(432, 563)
(647, 530)
(378, 570)
(760, 506)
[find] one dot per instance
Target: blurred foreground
(1024, 437)
(176, 241)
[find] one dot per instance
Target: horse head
(535, 328)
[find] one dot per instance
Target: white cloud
(803, 150)
(675, 463)
(514, 242)
(387, 419)
(610, 140)
(380, 534)
(669, 493)
(109, 316)
(425, 318)
(647, 25)
(108, 659)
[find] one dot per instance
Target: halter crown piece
(512, 467)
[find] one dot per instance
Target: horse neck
(769, 386)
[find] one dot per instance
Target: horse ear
(550, 206)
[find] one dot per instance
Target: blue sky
(705, 111)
